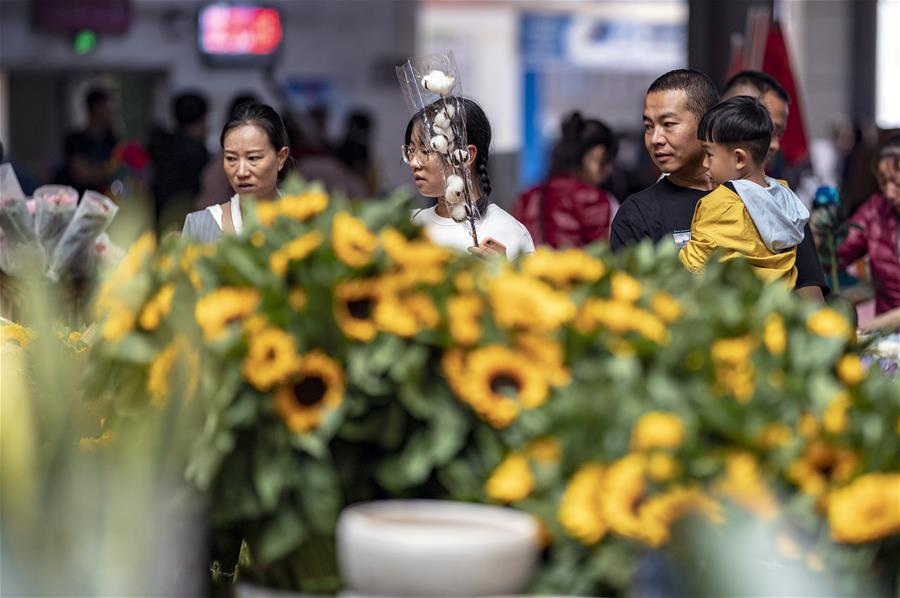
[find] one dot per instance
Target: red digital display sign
(239, 30)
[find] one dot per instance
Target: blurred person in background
(674, 105)
(87, 152)
(570, 209)
(256, 152)
(178, 160)
(498, 232)
(773, 96)
(214, 184)
(355, 150)
(876, 233)
(315, 158)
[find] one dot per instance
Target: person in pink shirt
(877, 230)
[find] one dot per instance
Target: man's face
(670, 132)
(778, 110)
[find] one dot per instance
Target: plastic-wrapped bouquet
(55, 205)
(92, 217)
(54, 226)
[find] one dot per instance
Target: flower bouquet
(339, 356)
(56, 206)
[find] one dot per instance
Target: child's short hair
(889, 149)
(741, 121)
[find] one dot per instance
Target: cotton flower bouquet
(337, 355)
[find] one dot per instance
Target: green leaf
(268, 477)
(321, 496)
(409, 468)
(242, 411)
(134, 348)
(281, 536)
(447, 431)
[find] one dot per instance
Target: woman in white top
(255, 146)
(497, 231)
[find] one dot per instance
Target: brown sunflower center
(310, 391)
(360, 309)
(506, 384)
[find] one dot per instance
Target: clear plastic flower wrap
(55, 207)
(92, 217)
(432, 90)
(15, 219)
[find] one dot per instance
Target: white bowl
(435, 548)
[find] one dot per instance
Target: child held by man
(748, 215)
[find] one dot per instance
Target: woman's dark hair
(478, 133)
(741, 121)
(579, 136)
(266, 118)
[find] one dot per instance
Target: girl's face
(888, 175)
(425, 164)
(251, 163)
(594, 168)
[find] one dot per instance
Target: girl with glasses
(496, 230)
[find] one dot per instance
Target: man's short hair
(701, 92)
(95, 97)
(189, 108)
(763, 83)
(741, 121)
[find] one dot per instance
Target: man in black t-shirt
(87, 152)
(673, 107)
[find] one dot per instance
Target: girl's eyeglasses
(421, 155)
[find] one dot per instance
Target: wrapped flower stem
(15, 219)
(92, 217)
(56, 205)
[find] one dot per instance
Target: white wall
(351, 42)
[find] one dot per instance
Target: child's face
(722, 163)
(888, 175)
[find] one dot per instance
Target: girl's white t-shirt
(236, 218)
(496, 223)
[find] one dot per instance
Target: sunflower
(657, 430)
(829, 323)
(519, 301)
(544, 450)
(547, 354)
(835, 420)
(660, 512)
(158, 306)
(866, 510)
(563, 268)
(94, 444)
(217, 310)
(15, 333)
(119, 321)
(743, 483)
(774, 435)
(304, 206)
(416, 261)
(297, 299)
(159, 374)
(850, 369)
(464, 318)
(666, 307)
(581, 507)
(616, 316)
(464, 281)
(734, 371)
(821, 466)
(294, 250)
(497, 382)
(267, 212)
(271, 358)
(662, 466)
(774, 334)
(625, 485)
(353, 243)
(625, 288)
(650, 327)
(511, 481)
(406, 315)
(177, 355)
(316, 388)
(354, 305)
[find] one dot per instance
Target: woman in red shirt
(569, 209)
